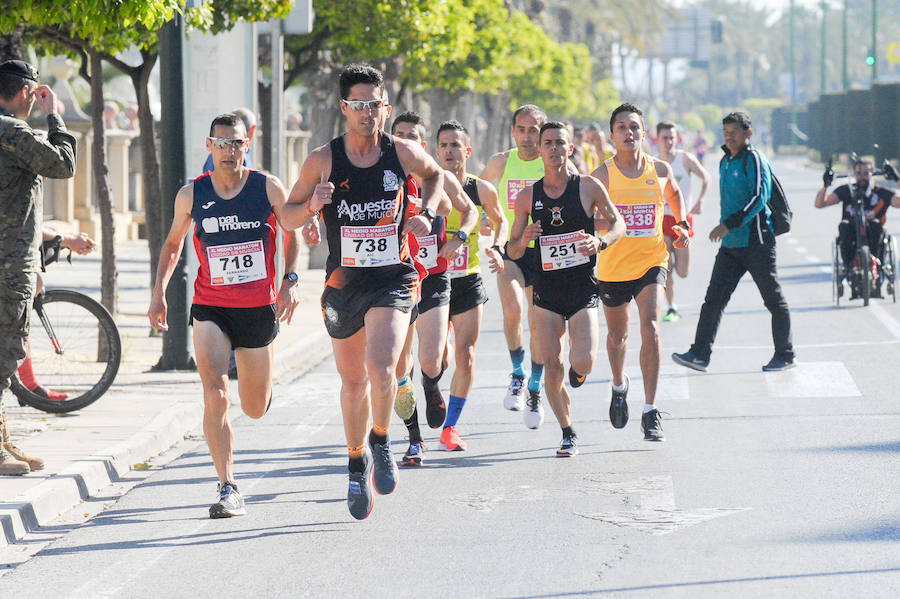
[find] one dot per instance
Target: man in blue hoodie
(748, 245)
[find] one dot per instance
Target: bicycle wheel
(865, 273)
(836, 273)
(75, 349)
(889, 267)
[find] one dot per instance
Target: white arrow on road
(657, 514)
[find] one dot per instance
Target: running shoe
(618, 406)
(359, 492)
(651, 424)
(691, 361)
(514, 400)
(50, 394)
(435, 409)
(385, 472)
(672, 315)
(776, 364)
(576, 380)
(567, 449)
(405, 401)
(534, 410)
(230, 502)
(450, 440)
(414, 455)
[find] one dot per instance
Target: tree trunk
(152, 188)
(108, 285)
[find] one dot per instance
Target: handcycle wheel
(75, 349)
(836, 273)
(889, 267)
(864, 258)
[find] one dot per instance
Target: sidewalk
(143, 414)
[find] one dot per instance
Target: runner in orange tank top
(635, 268)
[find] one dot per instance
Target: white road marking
(813, 379)
(657, 514)
(889, 322)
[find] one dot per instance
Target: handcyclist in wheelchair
(875, 202)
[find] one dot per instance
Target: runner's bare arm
(311, 191)
(493, 170)
(694, 166)
(522, 232)
(490, 201)
(168, 256)
(605, 209)
(676, 203)
(415, 161)
(601, 173)
(823, 198)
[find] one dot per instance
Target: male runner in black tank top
(358, 181)
(562, 208)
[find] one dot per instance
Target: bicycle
(867, 271)
(77, 349)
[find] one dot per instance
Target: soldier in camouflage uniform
(25, 156)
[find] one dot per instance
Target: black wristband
(497, 249)
(683, 223)
(603, 244)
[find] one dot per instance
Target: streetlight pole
(822, 85)
(793, 79)
(874, 41)
(844, 78)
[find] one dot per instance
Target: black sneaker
(618, 406)
(435, 409)
(230, 502)
(651, 424)
(386, 473)
(691, 361)
(576, 380)
(568, 449)
(776, 364)
(359, 492)
(414, 455)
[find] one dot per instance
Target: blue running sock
(534, 381)
(403, 381)
(454, 410)
(517, 356)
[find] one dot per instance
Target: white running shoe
(514, 399)
(534, 410)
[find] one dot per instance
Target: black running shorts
(616, 293)
(527, 264)
(466, 293)
(244, 327)
(435, 292)
(567, 304)
(344, 310)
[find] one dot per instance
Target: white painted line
(811, 258)
(887, 320)
(801, 249)
(813, 379)
(792, 241)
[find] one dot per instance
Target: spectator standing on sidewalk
(25, 157)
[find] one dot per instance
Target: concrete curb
(85, 478)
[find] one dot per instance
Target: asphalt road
(769, 484)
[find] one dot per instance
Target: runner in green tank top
(512, 171)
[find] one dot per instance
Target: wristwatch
(291, 276)
(428, 213)
(462, 236)
(603, 244)
(684, 224)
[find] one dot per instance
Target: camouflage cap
(19, 68)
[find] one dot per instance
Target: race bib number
(428, 251)
(367, 247)
(513, 188)
(460, 266)
(236, 263)
(640, 219)
(561, 251)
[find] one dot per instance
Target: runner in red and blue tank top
(358, 182)
(234, 212)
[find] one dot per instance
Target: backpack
(778, 203)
